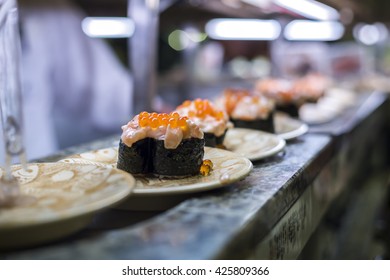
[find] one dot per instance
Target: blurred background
(347, 32)
(90, 65)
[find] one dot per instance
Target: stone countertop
(224, 223)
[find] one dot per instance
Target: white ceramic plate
(228, 168)
(253, 144)
(330, 106)
(287, 127)
(62, 199)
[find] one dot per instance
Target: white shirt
(74, 87)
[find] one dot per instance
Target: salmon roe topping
(286, 95)
(182, 121)
(203, 108)
(186, 103)
(155, 120)
(143, 121)
(208, 162)
(206, 167)
(173, 122)
(233, 96)
(164, 121)
(143, 114)
(154, 123)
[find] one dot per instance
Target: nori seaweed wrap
(211, 140)
(185, 160)
(135, 159)
(258, 124)
(291, 109)
(149, 156)
(182, 157)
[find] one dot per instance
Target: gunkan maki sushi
(311, 87)
(166, 145)
(281, 92)
(214, 122)
(291, 95)
(247, 110)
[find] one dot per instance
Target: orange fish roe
(143, 121)
(164, 121)
(155, 120)
(143, 114)
(186, 103)
(208, 162)
(182, 121)
(206, 167)
(154, 123)
(203, 108)
(173, 122)
(286, 95)
(233, 96)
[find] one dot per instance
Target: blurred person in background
(74, 88)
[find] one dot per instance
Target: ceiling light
(309, 9)
(306, 30)
(243, 29)
(108, 27)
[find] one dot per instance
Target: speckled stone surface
(220, 224)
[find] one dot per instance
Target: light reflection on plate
(253, 144)
(287, 127)
(330, 106)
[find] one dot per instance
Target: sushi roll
(291, 95)
(279, 90)
(214, 122)
(165, 145)
(310, 87)
(247, 110)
